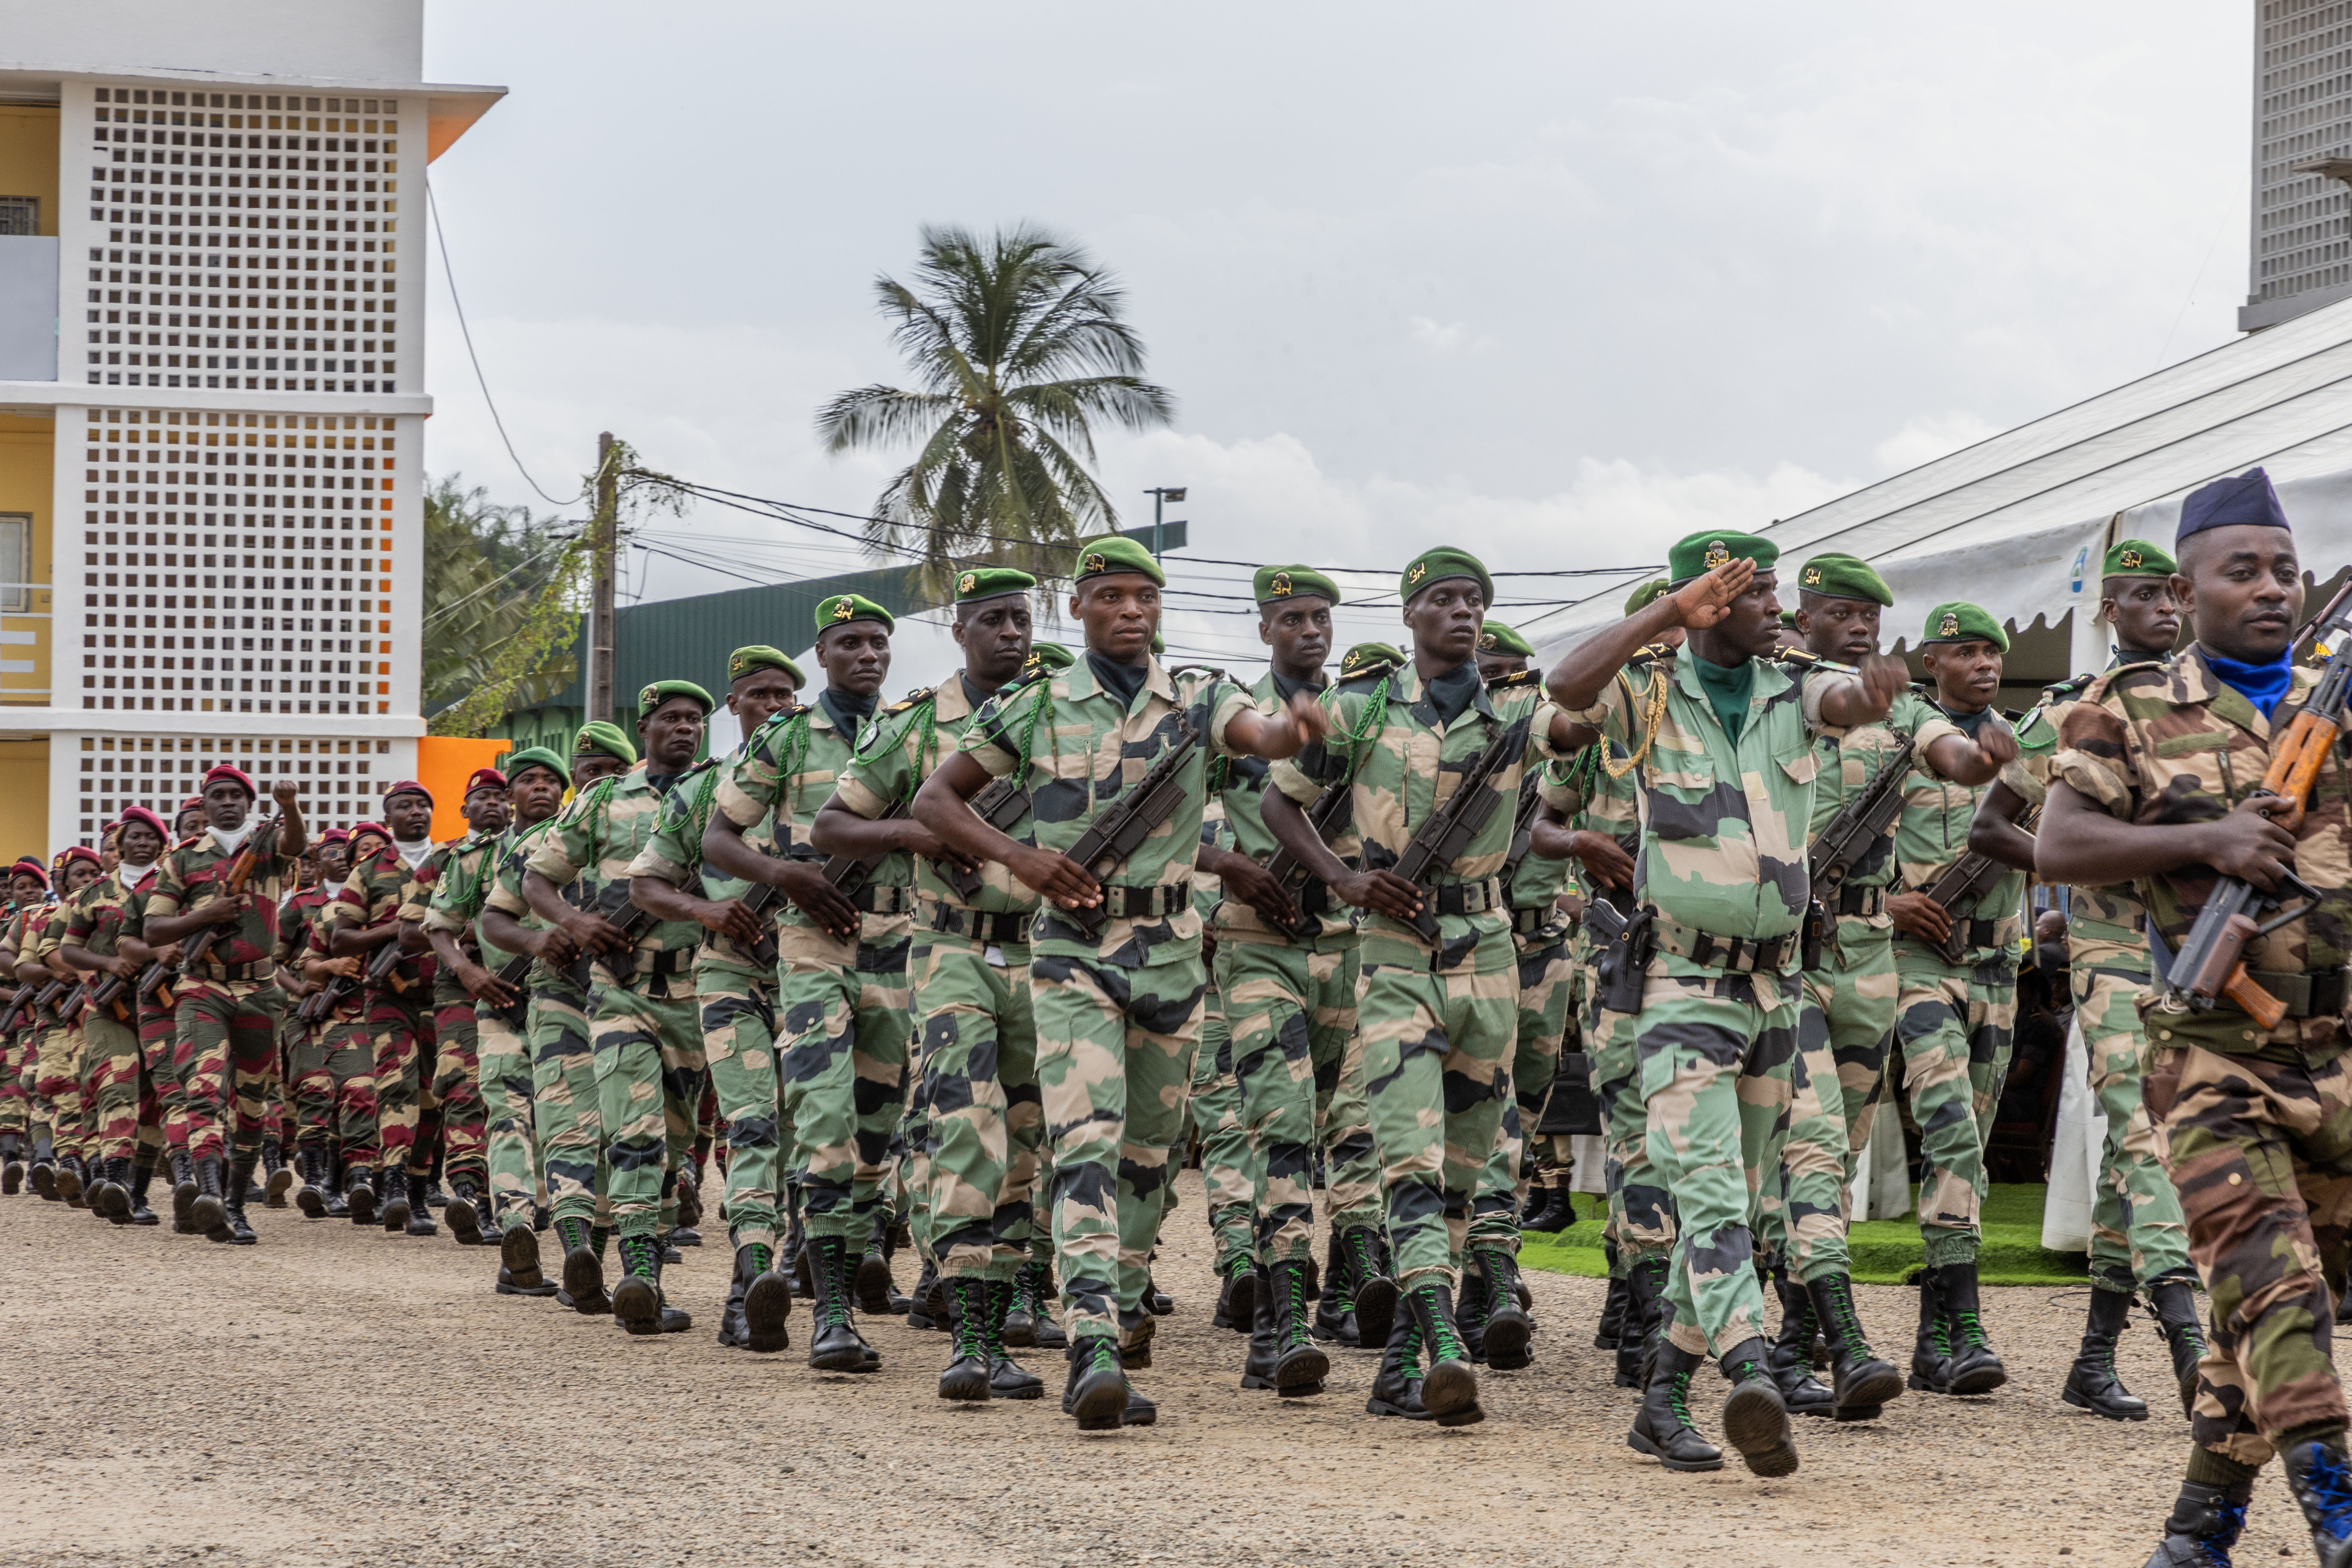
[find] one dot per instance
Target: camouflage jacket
(898, 751)
(1077, 749)
(2029, 777)
(1850, 758)
(95, 916)
(302, 914)
(453, 899)
(2154, 744)
(190, 876)
(376, 892)
(600, 835)
(674, 854)
(1932, 834)
(1404, 762)
(1243, 803)
(1723, 823)
(504, 892)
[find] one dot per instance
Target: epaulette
(1806, 658)
(911, 698)
(2013, 714)
(1208, 669)
(1649, 654)
(2072, 686)
(1363, 679)
(1516, 678)
(703, 766)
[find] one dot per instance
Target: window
(20, 214)
(16, 563)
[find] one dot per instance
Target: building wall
(371, 39)
(2302, 256)
(25, 798)
(28, 157)
(27, 484)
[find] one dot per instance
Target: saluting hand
(1707, 599)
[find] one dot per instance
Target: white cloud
(1930, 437)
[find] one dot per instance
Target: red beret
(410, 786)
(378, 828)
(232, 773)
(486, 778)
(140, 814)
(194, 803)
(79, 852)
(28, 867)
(334, 835)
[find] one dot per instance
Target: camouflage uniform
(1724, 867)
(842, 1005)
(94, 923)
(1290, 1007)
(304, 1047)
(649, 1033)
(57, 1051)
(16, 1050)
(2254, 1129)
(567, 1118)
(1230, 1174)
(1439, 1021)
(398, 1013)
(346, 1054)
(457, 1037)
(1118, 1016)
(229, 1003)
(500, 1057)
(977, 1032)
(1953, 1020)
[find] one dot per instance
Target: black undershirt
(1452, 694)
(1120, 680)
(847, 712)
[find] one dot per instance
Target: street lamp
(1160, 496)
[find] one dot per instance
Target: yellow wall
(28, 157)
(25, 799)
(28, 449)
(444, 764)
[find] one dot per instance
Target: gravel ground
(337, 1396)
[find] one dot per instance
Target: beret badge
(1813, 577)
(2132, 558)
(1717, 554)
(1950, 627)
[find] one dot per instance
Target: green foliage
(1017, 346)
(500, 609)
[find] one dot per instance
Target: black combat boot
(519, 1270)
(467, 1212)
(276, 1179)
(2173, 1299)
(337, 1206)
(1257, 1361)
(420, 1208)
(1557, 1213)
(875, 1287)
(109, 1190)
(310, 1198)
(12, 1164)
(1396, 1387)
(1663, 1428)
(1007, 1378)
(1974, 1369)
(392, 1197)
(688, 1231)
(1645, 1289)
(2204, 1526)
(1029, 1322)
(183, 1193)
(1372, 1287)
(637, 1303)
(583, 1267)
(1789, 1358)
(1607, 1334)
(233, 1222)
(1755, 1416)
(44, 1172)
(1236, 1294)
(1299, 1366)
(360, 1192)
(140, 1214)
(928, 1307)
(73, 1181)
(1335, 1309)
(1136, 1328)
(2091, 1383)
(967, 1374)
(1470, 1309)
(1509, 1329)
(1449, 1382)
(209, 1213)
(1156, 1302)
(834, 1343)
(1097, 1390)
(759, 1301)
(1931, 1350)
(2321, 1479)
(1861, 1383)
(796, 1247)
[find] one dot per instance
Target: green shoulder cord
(926, 750)
(1368, 725)
(1043, 711)
(790, 751)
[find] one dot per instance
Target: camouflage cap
(2136, 558)
(1645, 596)
(604, 735)
(1272, 585)
(1365, 655)
(991, 582)
(536, 757)
(1960, 621)
(843, 608)
(1837, 576)
(1434, 566)
(757, 657)
(1107, 554)
(658, 692)
(1496, 637)
(1705, 551)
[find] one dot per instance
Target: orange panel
(444, 764)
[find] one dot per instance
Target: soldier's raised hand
(1706, 599)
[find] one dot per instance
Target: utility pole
(1160, 496)
(600, 611)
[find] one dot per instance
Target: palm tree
(1017, 344)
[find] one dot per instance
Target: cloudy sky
(1558, 281)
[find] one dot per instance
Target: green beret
(1839, 576)
(1048, 656)
(1432, 566)
(1271, 585)
(1496, 637)
(743, 661)
(1159, 642)
(1646, 594)
(1705, 551)
(1365, 655)
(1960, 621)
(2137, 558)
(604, 735)
(991, 582)
(537, 757)
(1788, 619)
(1110, 553)
(660, 691)
(843, 609)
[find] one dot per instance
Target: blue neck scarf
(2263, 685)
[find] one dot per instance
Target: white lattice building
(2302, 239)
(212, 282)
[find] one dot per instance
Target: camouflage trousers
(844, 1079)
(1228, 1164)
(158, 1030)
(333, 1069)
(1114, 1048)
(510, 1151)
(565, 1110)
(1804, 1190)
(405, 1049)
(15, 1095)
(2137, 1234)
(649, 1077)
(1290, 1012)
(1640, 1207)
(2261, 1154)
(1707, 1044)
(57, 1085)
(1439, 1025)
(226, 1050)
(1953, 1022)
(1546, 986)
(116, 1085)
(739, 1042)
(976, 1032)
(457, 1085)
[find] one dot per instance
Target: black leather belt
(1978, 934)
(1862, 902)
(881, 901)
(1001, 930)
(2318, 996)
(1126, 903)
(1731, 953)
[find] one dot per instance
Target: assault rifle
(848, 873)
(2210, 966)
(1448, 831)
(1001, 804)
(1860, 823)
(1122, 827)
(259, 845)
(70, 1008)
(614, 904)
(321, 1004)
(1330, 814)
(517, 1012)
(1966, 881)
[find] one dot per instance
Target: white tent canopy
(2018, 522)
